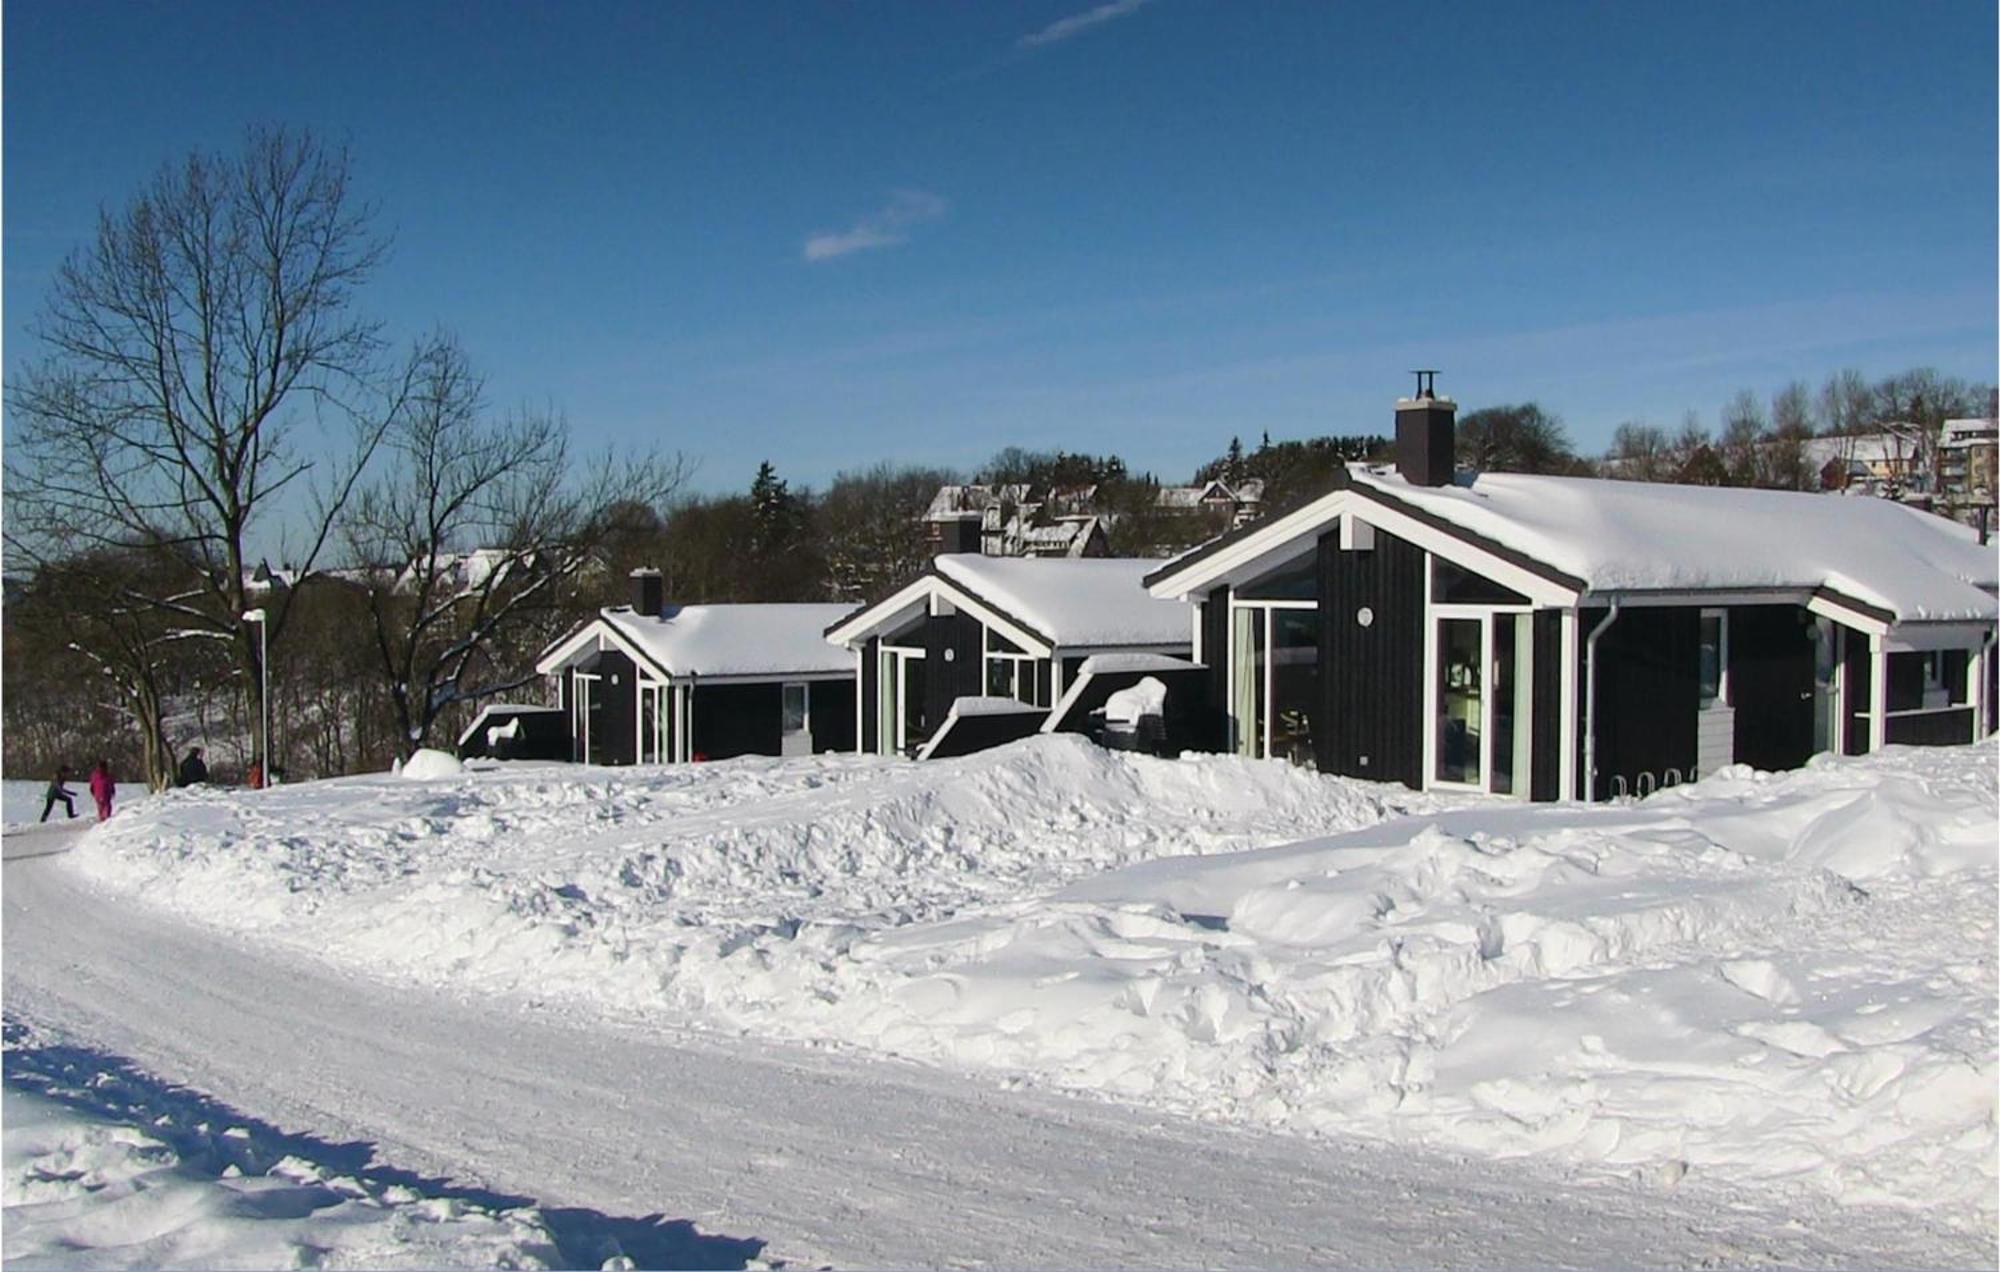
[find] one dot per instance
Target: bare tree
(191, 352)
(871, 523)
(1641, 452)
(467, 547)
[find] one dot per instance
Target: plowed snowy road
(827, 1157)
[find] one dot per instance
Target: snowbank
(428, 765)
(1765, 977)
(95, 1174)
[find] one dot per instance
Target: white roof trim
(928, 590)
(1277, 542)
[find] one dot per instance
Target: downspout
(1590, 703)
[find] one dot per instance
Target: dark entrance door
(1771, 685)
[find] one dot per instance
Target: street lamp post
(264, 691)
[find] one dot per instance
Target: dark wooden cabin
(653, 683)
(1556, 637)
(977, 627)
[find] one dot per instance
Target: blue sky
(833, 233)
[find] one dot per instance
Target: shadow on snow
(210, 1137)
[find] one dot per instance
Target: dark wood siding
(613, 703)
(953, 667)
(1771, 685)
(732, 720)
(1545, 766)
(1933, 728)
(1648, 696)
(1858, 688)
(1212, 726)
(1371, 678)
(830, 703)
(542, 734)
(871, 695)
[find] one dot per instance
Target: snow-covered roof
(1628, 535)
(1087, 601)
(729, 640)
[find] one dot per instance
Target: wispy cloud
(1077, 23)
(886, 227)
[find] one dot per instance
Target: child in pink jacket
(102, 788)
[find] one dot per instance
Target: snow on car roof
(1629, 535)
(1088, 601)
(737, 640)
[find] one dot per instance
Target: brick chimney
(648, 592)
(1426, 435)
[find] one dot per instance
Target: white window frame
(1722, 697)
(1524, 691)
(989, 656)
(899, 657)
(1264, 707)
(660, 692)
(580, 713)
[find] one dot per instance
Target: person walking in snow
(103, 787)
(59, 794)
(193, 771)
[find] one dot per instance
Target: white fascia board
(853, 631)
(1712, 597)
(1925, 637)
(922, 597)
(1202, 576)
(1032, 642)
(1278, 542)
(768, 677)
(597, 635)
(1827, 607)
(1540, 591)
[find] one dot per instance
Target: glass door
(1482, 678)
(1247, 682)
(794, 729)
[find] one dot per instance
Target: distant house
(1558, 637)
(1070, 521)
(994, 640)
(652, 683)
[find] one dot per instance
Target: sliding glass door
(1274, 680)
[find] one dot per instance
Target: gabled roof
(1593, 536)
(715, 641)
(1075, 603)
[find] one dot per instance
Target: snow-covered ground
(1768, 980)
(21, 801)
(106, 1169)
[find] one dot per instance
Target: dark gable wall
(947, 679)
(1648, 694)
(831, 705)
(1371, 678)
(614, 702)
(1771, 685)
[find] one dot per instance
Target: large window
(1714, 670)
(1460, 700)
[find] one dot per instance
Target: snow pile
(1129, 706)
(1765, 977)
(428, 765)
(94, 1174)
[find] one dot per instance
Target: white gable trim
(931, 592)
(598, 633)
(1279, 542)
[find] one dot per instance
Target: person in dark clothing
(57, 794)
(193, 771)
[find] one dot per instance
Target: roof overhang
(930, 595)
(1246, 554)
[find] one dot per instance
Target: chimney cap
(1414, 404)
(645, 572)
